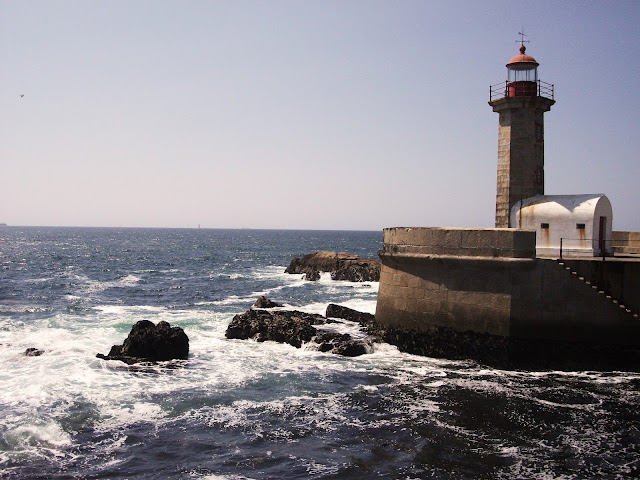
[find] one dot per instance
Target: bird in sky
(21, 95)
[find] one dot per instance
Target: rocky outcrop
(33, 352)
(265, 302)
(296, 329)
(342, 344)
(341, 265)
(148, 342)
(338, 311)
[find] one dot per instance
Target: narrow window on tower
(580, 226)
(544, 226)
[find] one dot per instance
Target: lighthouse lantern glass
(522, 73)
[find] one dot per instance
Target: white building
(580, 225)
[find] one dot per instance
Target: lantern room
(522, 75)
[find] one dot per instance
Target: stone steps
(614, 301)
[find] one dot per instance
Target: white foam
(217, 477)
(343, 327)
(360, 305)
(127, 281)
(114, 415)
(230, 300)
(128, 309)
(325, 277)
(47, 435)
(87, 286)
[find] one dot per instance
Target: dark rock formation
(444, 342)
(342, 265)
(510, 353)
(151, 343)
(342, 344)
(437, 342)
(265, 302)
(338, 311)
(33, 352)
(294, 328)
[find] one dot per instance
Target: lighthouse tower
(521, 102)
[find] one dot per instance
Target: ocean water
(245, 410)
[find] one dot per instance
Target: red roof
(522, 58)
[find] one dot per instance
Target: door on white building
(602, 234)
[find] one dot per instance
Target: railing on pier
(501, 90)
(623, 247)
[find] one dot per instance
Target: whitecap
(127, 281)
(128, 309)
(41, 435)
(118, 415)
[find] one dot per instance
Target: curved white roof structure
(580, 225)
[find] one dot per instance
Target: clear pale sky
(302, 114)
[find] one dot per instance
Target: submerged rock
(265, 302)
(341, 265)
(151, 343)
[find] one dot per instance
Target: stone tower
(521, 102)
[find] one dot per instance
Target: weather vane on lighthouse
(522, 41)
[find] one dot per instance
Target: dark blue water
(240, 409)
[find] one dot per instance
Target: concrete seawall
(482, 293)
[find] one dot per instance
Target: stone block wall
(451, 277)
(471, 242)
(520, 151)
(417, 293)
(625, 242)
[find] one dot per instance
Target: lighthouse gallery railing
(501, 90)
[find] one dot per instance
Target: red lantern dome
(522, 59)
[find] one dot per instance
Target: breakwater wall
(483, 294)
(623, 242)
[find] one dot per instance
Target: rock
(341, 265)
(265, 302)
(321, 261)
(151, 343)
(366, 320)
(312, 275)
(338, 311)
(342, 344)
(360, 270)
(33, 352)
(292, 327)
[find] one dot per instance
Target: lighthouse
(571, 225)
(521, 102)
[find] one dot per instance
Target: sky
(349, 114)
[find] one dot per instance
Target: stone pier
(483, 294)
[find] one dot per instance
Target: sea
(239, 409)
